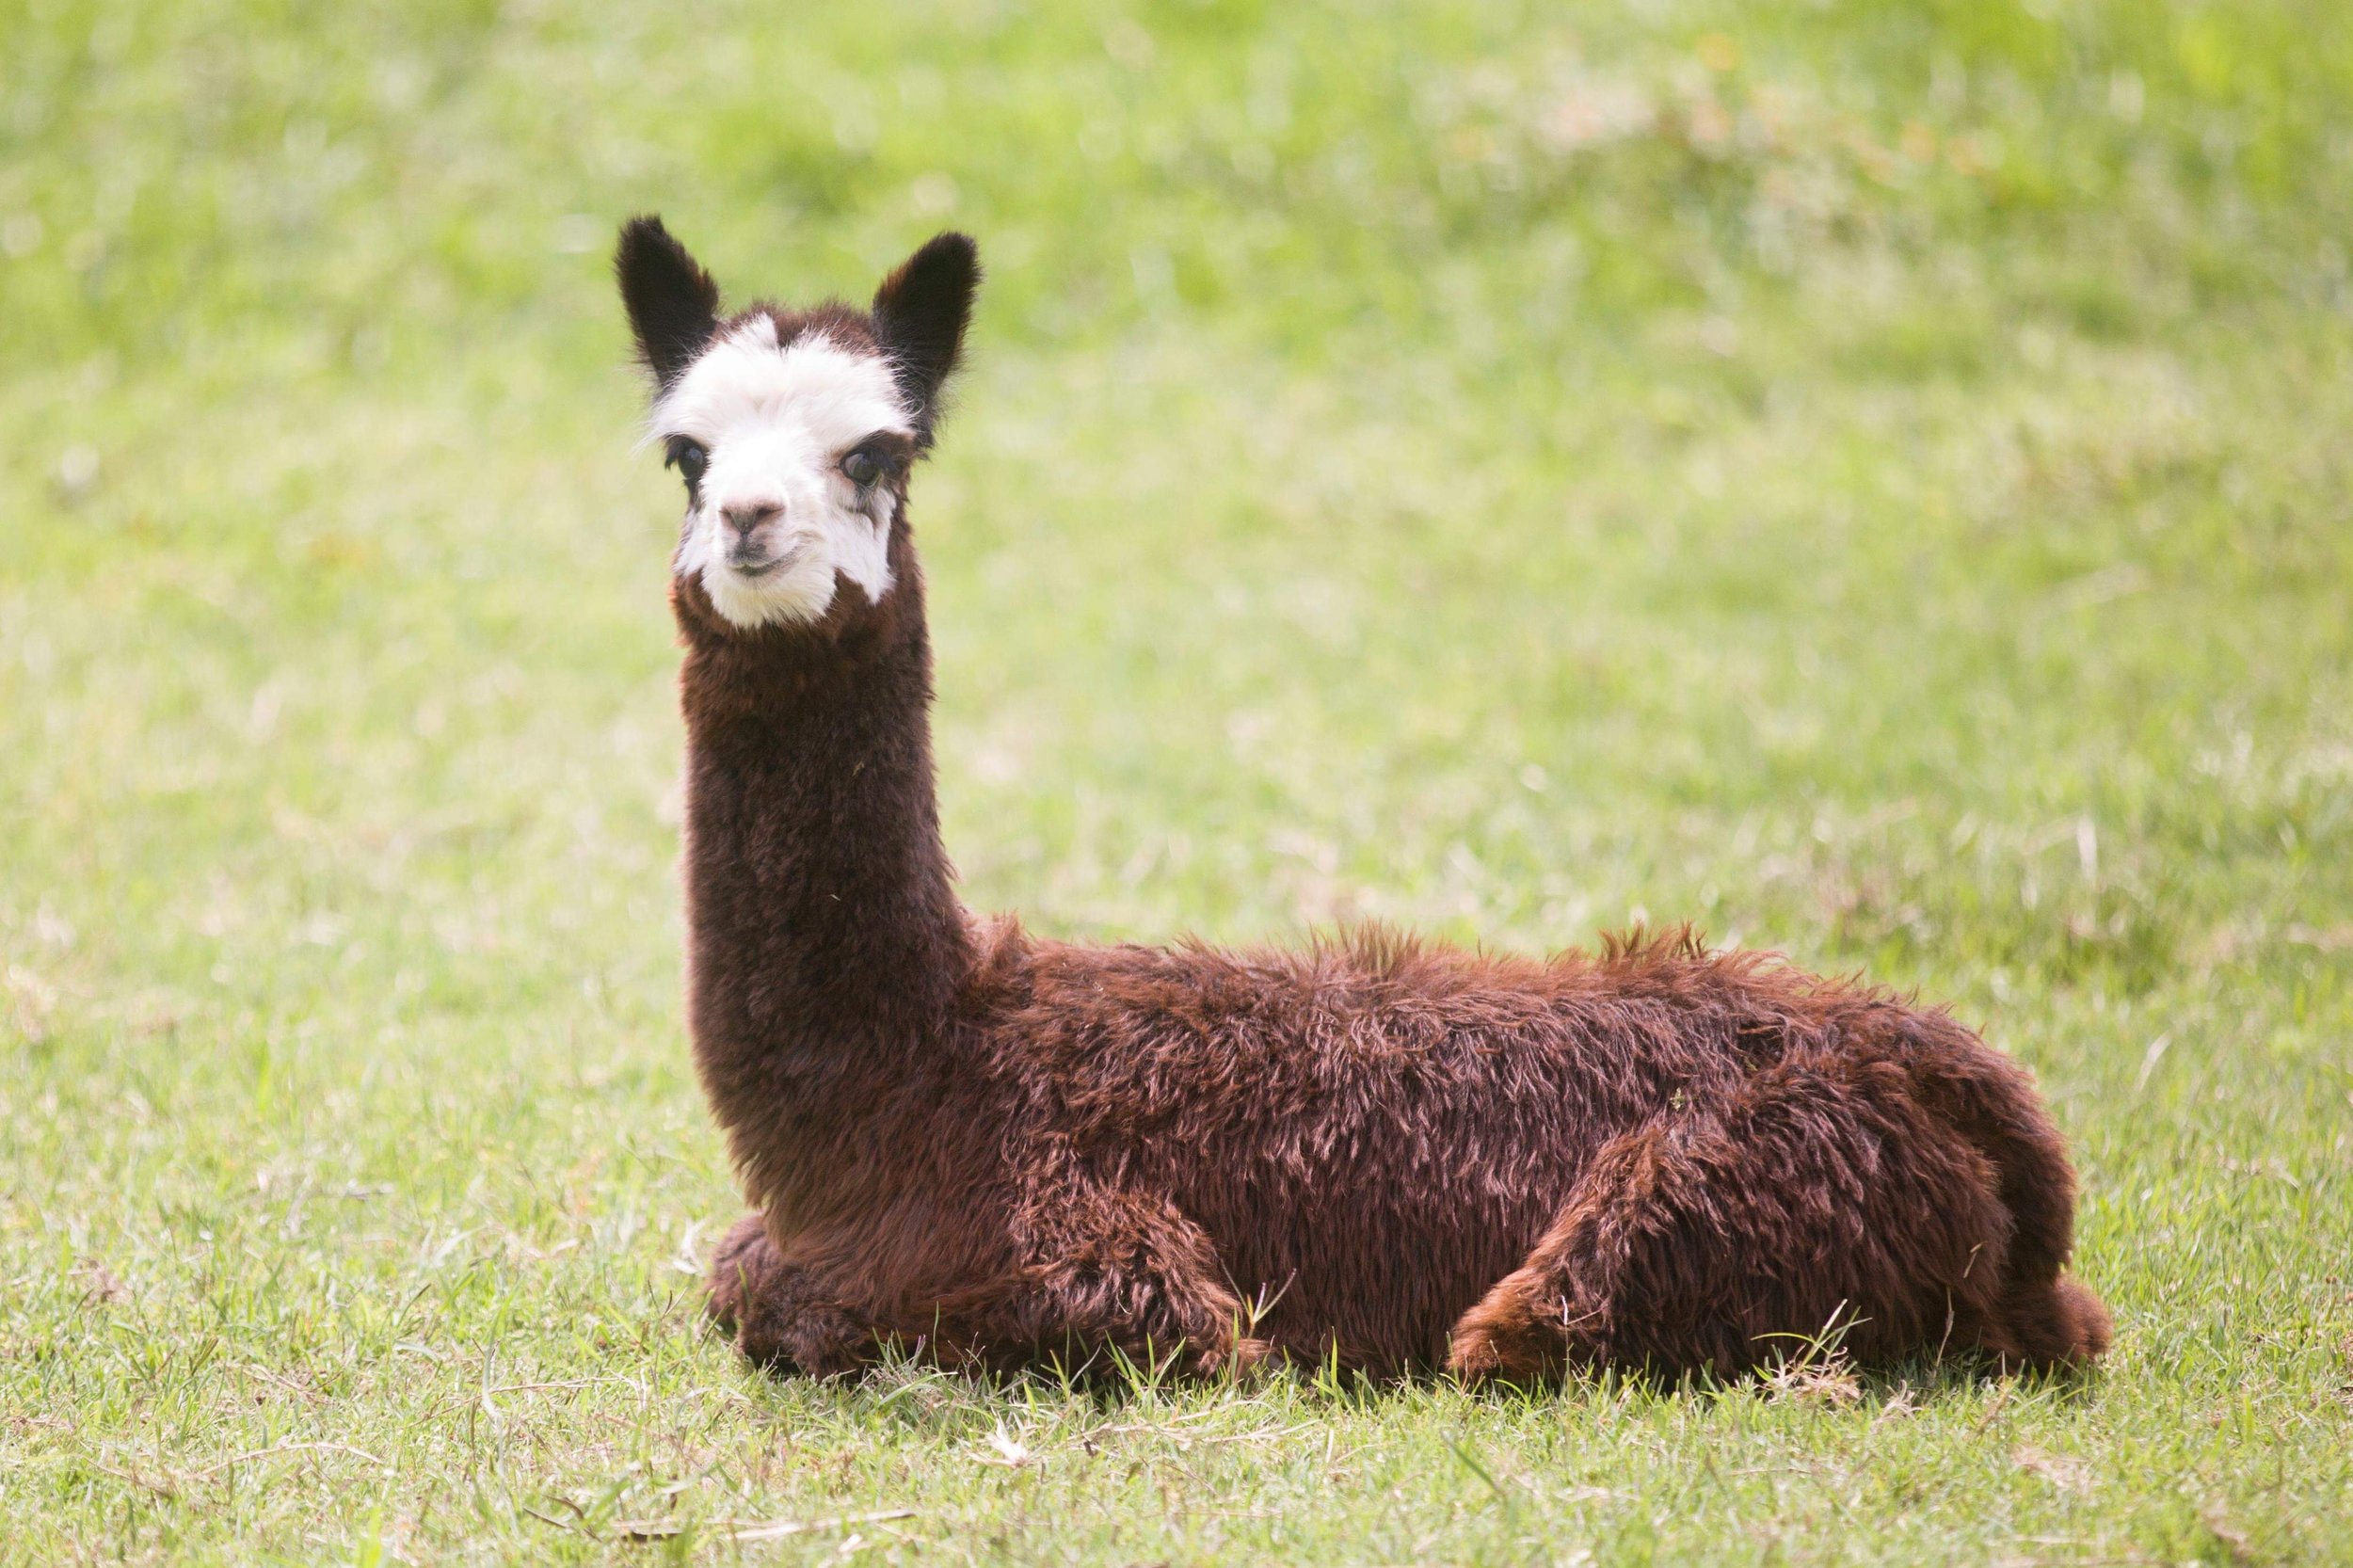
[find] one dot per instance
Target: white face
(794, 445)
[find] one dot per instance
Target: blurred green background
(1876, 479)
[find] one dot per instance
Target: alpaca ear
(673, 304)
(919, 315)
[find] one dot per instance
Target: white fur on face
(776, 423)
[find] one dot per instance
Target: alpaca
(1001, 1150)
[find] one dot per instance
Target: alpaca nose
(746, 516)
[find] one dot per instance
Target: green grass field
(1874, 477)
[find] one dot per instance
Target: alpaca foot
(743, 1260)
(1502, 1340)
(1239, 1356)
(779, 1319)
(2060, 1327)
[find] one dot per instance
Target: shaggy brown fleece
(1408, 1158)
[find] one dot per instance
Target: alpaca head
(793, 429)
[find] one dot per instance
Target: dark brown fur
(1402, 1157)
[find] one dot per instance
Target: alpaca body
(1372, 1135)
(1006, 1147)
(1393, 1156)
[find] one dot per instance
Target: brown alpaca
(1406, 1158)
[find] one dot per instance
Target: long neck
(826, 941)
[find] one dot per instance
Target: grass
(1876, 479)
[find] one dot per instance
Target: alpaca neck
(826, 940)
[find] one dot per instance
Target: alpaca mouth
(756, 568)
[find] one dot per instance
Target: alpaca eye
(862, 468)
(690, 459)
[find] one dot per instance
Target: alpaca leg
(779, 1317)
(1714, 1240)
(1114, 1269)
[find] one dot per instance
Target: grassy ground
(1875, 478)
